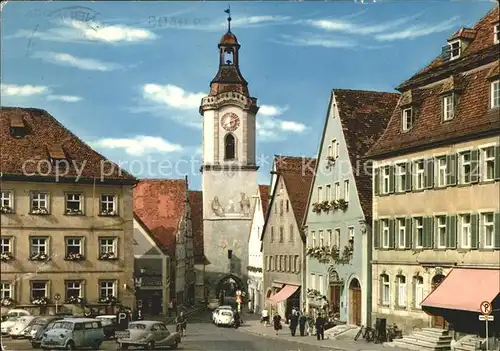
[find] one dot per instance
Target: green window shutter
(392, 238)
(376, 234)
(451, 164)
(451, 231)
(429, 233)
(376, 186)
(429, 173)
(408, 176)
(497, 162)
(474, 242)
(391, 179)
(408, 233)
(474, 166)
(497, 230)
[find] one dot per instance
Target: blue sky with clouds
(128, 77)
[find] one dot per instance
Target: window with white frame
(336, 237)
(346, 190)
(386, 174)
(385, 289)
(337, 191)
(330, 237)
(74, 289)
(313, 241)
(321, 238)
(465, 167)
(495, 94)
(455, 49)
(419, 232)
(328, 192)
(465, 231)
(6, 290)
(401, 230)
(419, 175)
(496, 33)
(108, 205)
(401, 281)
(6, 204)
(488, 229)
(39, 202)
(312, 281)
(448, 107)
(74, 203)
(385, 233)
(330, 151)
(337, 149)
(321, 288)
(39, 246)
(441, 171)
(5, 245)
(407, 119)
(108, 248)
(418, 291)
(320, 193)
(334, 151)
(488, 163)
(39, 289)
(74, 246)
(350, 233)
(441, 231)
(401, 177)
(107, 288)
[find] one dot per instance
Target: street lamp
(138, 284)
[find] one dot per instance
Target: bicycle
(393, 332)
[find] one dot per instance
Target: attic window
(496, 33)
(56, 153)
(17, 126)
(448, 107)
(455, 48)
(407, 119)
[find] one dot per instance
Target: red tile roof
(364, 116)
(196, 203)
(160, 205)
(264, 197)
(297, 187)
(44, 138)
(162, 247)
(295, 164)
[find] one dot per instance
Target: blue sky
(128, 77)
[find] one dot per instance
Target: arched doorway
(226, 289)
(335, 290)
(438, 321)
(355, 302)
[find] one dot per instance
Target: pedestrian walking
(170, 308)
(277, 322)
(320, 327)
(294, 320)
(302, 324)
(265, 317)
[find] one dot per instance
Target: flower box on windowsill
(7, 301)
(39, 211)
(73, 212)
(105, 213)
(75, 300)
(6, 210)
(330, 162)
(109, 299)
(6, 256)
(108, 256)
(42, 301)
(39, 257)
(75, 257)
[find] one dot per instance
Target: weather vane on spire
(228, 11)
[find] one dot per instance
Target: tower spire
(228, 11)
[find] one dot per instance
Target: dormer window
(56, 155)
(448, 107)
(407, 119)
(17, 127)
(495, 94)
(455, 49)
(496, 33)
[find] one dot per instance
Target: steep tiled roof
(297, 187)
(43, 138)
(162, 247)
(480, 47)
(264, 197)
(301, 165)
(364, 116)
(160, 205)
(196, 203)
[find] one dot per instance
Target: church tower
(229, 172)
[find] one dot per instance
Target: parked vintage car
(148, 334)
(41, 325)
(108, 322)
(225, 318)
(17, 330)
(10, 318)
(217, 310)
(72, 333)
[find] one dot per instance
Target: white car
(17, 330)
(225, 318)
(217, 310)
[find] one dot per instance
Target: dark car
(42, 324)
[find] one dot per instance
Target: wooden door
(438, 321)
(356, 306)
(335, 291)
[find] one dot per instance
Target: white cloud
(315, 40)
(65, 98)
(139, 145)
(80, 31)
(64, 59)
(172, 96)
(273, 129)
(418, 31)
(23, 90)
(240, 22)
(292, 126)
(270, 110)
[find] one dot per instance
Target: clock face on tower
(230, 122)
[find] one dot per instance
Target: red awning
(283, 294)
(464, 289)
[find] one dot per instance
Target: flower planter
(75, 300)
(109, 299)
(39, 257)
(108, 214)
(6, 302)
(75, 257)
(71, 212)
(42, 301)
(108, 256)
(40, 211)
(6, 256)
(6, 210)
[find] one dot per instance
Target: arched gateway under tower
(229, 171)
